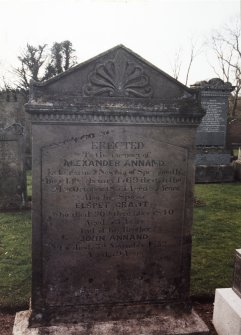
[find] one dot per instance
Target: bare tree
(4, 85)
(194, 51)
(178, 65)
(226, 46)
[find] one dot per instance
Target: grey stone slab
(214, 99)
(166, 324)
(101, 207)
(112, 207)
(237, 273)
(212, 130)
(213, 158)
(211, 133)
(12, 111)
(214, 173)
(12, 168)
(116, 73)
(113, 172)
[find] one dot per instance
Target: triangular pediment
(117, 73)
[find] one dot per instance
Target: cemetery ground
(216, 234)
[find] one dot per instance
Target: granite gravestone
(227, 304)
(12, 169)
(213, 159)
(113, 156)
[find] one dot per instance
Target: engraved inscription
(212, 130)
(214, 120)
(114, 208)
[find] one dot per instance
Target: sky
(157, 30)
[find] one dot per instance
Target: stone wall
(12, 168)
(12, 111)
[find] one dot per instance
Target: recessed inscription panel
(212, 130)
(112, 217)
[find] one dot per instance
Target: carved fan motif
(118, 78)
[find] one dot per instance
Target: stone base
(165, 324)
(212, 156)
(237, 169)
(227, 312)
(214, 173)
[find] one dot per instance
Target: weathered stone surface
(214, 99)
(212, 130)
(113, 157)
(214, 173)
(212, 156)
(234, 133)
(168, 322)
(237, 273)
(101, 207)
(12, 111)
(211, 133)
(12, 168)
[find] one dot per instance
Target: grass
(15, 259)
(216, 234)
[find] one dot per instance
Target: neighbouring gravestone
(227, 304)
(239, 154)
(237, 166)
(12, 111)
(213, 160)
(234, 130)
(12, 168)
(113, 157)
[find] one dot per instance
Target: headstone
(234, 130)
(227, 304)
(12, 168)
(239, 154)
(212, 154)
(237, 166)
(12, 111)
(113, 156)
